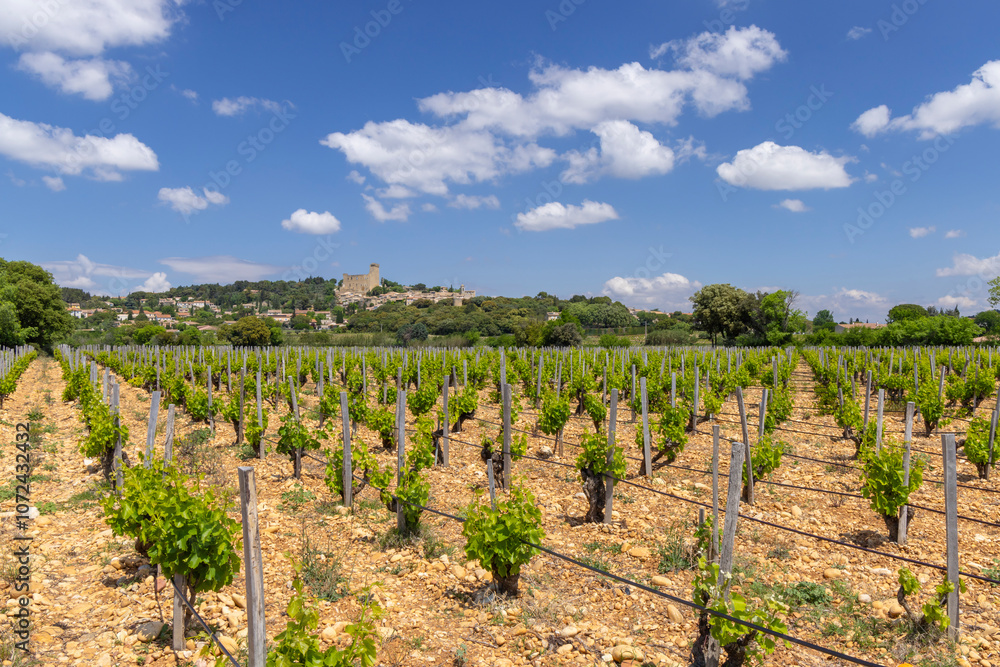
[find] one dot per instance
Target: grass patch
(675, 554)
(292, 501)
(321, 572)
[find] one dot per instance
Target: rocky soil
(95, 601)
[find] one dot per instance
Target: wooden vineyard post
(119, 476)
(878, 421)
(632, 395)
(241, 429)
(211, 412)
(907, 438)
(505, 388)
(254, 569)
(295, 411)
(762, 415)
(493, 484)
(168, 435)
(694, 406)
(444, 426)
(260, 419)
(347, 470)
(746, 444)
(538, 383)
(400, 458)
(993, 435)
(951, 527)
(646, 458)
(154, 409)
(609, 489)
(715, 492)
(868, 397)
(709, 646)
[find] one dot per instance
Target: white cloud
(970, 265)
(555, 215)
(870, 178)
(738, 52)
(426, 158)
(54, 183)
(18, 182)
(356, 177)
(665, 290)
(793, 205)
(921, 232)
(954, 234)
(626, 152)
(155, 283)
(769, 166)
(308, 222)
(190, 94)
(872, 121)
(857, 32)
(471, 202)
(395, 191)
(957, 302)
(969, 104)
(428, 207)
(85, 28)
(185, 201)
(94, 79)
(713, 68)
(240, 105)
(221, 268)
(492, 132)
(215, 197)
(106, 279)
(57, 148)
(400, 212)
(861, 297)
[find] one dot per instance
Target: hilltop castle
(363, 283)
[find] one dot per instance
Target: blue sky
(639, 150)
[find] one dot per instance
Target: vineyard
(508, 507)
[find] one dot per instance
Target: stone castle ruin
(363, 283)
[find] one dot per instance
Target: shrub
(882, 483)
(496, 537)
(592, 462)
(977, 446)
(765, 459)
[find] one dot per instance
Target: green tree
(300, 323)
(823, 320)
(37, 300)
(565, 335)
(994, 297)
(906, 311)
(11, 333)
(989, 322)
(249, 331)
(717, 310)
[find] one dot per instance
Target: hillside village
(353, 294)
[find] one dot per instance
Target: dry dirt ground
(91, 592)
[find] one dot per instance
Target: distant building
(363, 283)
